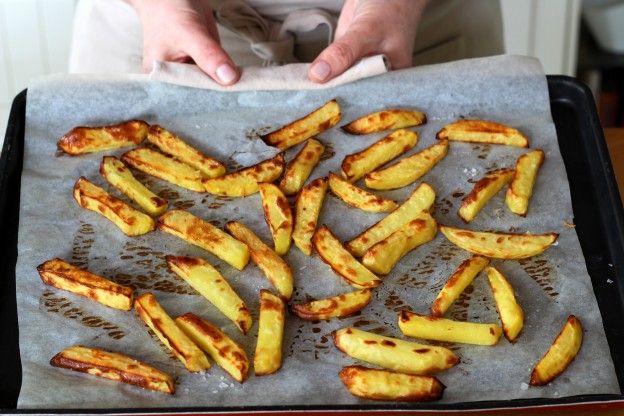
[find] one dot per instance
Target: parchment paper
(549, 287)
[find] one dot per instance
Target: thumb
(338, 57)
(211, 57)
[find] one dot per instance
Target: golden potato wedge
(369, 383)
(222, 349)
(393, 353)
(321, 119)
(482, 131)
(268, 355)
(172, 337)
(384, 255)
(210, 284)
(62, 275)
(341, 261)
(164, 167)
(398, 118)
(245, 181)
(113, 366)
(511, 314)
(300, 168)
(278, 216)
(356, 165)
(276, 270)
(129, 220)
(455, 285)
(483, 191)
(359, 198)
(307, 211)
(339, 306)
(521, 188)
(420, 200)
(442, 329)
(408, 169)
(204, 235)
(81, 140)
(118, 175)
(560, 354)
(499, 245)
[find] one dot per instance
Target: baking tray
(598, 215)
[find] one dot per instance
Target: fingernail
(321, 70)
(226, 73)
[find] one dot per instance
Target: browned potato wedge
(278, 216)
(359, 198)
(481, 131)
(511, 314)
(521, 188)
(393, 353)
(171, 144)
(483, 191)
(420, 200)
(373, 384)
(341, 261)
(321, 119)
(222, 349)
(455, 285)
(129, 220)
(307, 209)
(408, 169)
(245, 181)
(113, 366)
(81, 140)
(300, 168)
(358, 164)
(276, 270)
(560, 354)
(172, 337)
(201, 233)
(268, 355)
(391, 119)
(499, 245)
(62, 275)
(339, 306)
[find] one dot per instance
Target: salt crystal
(524, 386)
(222, 385)
(556, 243)
(610, 265)
(609, 281)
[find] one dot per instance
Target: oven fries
(511, 314)
(268, 355)
(307, 209)
(359, 198)
(300, 168)
(481, 131)
(81, 140)
(455, 285)
(483, 191)
(521, 188)
(391, 119)
(278, 216)
(339, 306)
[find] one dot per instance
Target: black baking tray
(598, 215)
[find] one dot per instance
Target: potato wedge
(483, 191)
(202, 234)
(398, 118)
(481, 131)
(277, 215)
(511, 314)
(339, 306)
(172, 337)
(369, 383)
(383, 256)
(442, 329)
(62, 275)
(118, 175)
(521, 188)
(245, 181)
(420, 200)
(210, 284)
(222, 349)
(455, 285)
(341, 261)
(300, 168)
(113, 366)
(81, 140)
(499, 245)
(307, 210)
(359, 198)
(356, 165)
(408, 169)
(164, 167)
(129, 220)
(276, 270)
(321, 119)
(393, 353)
(268, 355)
(560, 354)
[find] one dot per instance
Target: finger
(338, 57)
(210, 57)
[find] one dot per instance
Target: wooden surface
(615, 143)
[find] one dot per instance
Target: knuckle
(344, 54)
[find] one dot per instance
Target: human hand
(370, 27)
